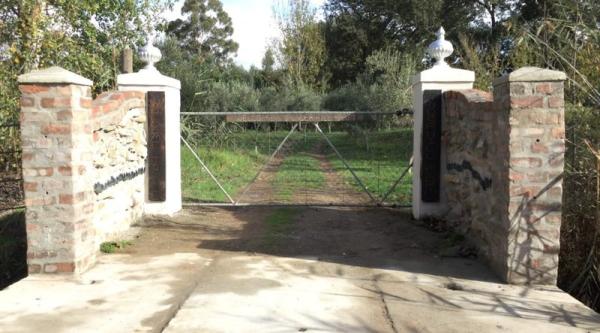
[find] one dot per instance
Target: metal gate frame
(296, 117)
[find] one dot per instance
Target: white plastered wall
(442, 78)
(151, 80)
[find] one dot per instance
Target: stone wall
(80, 159)
(504, 168)
(119, 120)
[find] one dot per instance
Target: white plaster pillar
(150, 79)
(440, 77)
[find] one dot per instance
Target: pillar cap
(531, 74)
(146, 78)
(54, 74)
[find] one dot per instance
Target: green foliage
(580, 229)
(385, 85)
(378, 158)
(205, 32)
(302, 45)
(299, 171)
(112, 247)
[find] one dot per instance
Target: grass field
(378, 158)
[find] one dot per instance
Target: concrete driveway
(296, 270)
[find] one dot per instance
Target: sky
(253, 25)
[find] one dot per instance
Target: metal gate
(309, 158)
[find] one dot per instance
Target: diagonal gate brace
(346, 164)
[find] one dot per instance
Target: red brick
(558, 133)
(544, 88)
(33, 88)
(85, 103)
(27, 156)
(69, 199)
(556, 102)
(118, 96)
(526, 162)
(539, 148)
(65, 267)
(65, 170)
(527, 102)
(516, 176)
(56, 129)
(56, 102)
(34, 268)
(27, 101)
(66, 199)
(30, 186)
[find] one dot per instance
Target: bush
(579, 263)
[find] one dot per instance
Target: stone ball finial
(149, 53)
(440, 49)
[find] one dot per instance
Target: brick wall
(504, 171)
(60, 126)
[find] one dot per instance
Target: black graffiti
(485, 183)
(101, 187)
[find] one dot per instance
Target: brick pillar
(57, 170)
(530, 102)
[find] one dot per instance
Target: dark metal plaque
(431, 146)
(157, 189)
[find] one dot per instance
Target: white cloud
(253, 24)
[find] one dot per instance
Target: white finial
(149, 53)
(440, 49)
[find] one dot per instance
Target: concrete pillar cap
(531, 74)
(54, 74)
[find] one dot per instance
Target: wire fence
(296, 158)
(11, 182)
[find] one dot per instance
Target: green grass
(279, 223)
(112, 247)
(299, 169)
(234, 165)
(378, 158)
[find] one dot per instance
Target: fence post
(150, 79)
(429, 153)
(530, 103)
(57, 140)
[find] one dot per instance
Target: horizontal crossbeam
(297, 116)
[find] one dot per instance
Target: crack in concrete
(386, 311)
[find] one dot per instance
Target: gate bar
(267, 163)
(207, 170)
(266, 113)
(345, 163)
(342, 205)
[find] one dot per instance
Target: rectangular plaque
(431, 146)
(157, 171)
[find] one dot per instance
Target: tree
(268, 61)
(302, 46)
(206, 31)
